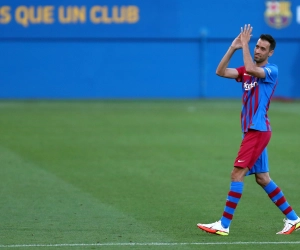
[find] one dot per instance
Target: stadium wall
(137, 49)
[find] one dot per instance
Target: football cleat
(214, 228)
(290, 226)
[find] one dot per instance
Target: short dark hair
(270, 39)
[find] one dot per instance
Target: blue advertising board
(145, 19)
(137, 48)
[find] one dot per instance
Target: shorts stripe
(252, 147)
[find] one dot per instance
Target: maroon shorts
(252, 146)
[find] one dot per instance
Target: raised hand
(246, 34)
(237, 43)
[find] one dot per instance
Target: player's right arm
(222, 69)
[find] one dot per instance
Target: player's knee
(262, 180)
(237, 174)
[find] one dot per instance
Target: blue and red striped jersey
(257, 94)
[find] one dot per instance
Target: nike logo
(245, 74)
(240, 160)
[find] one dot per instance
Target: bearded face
(262, 51)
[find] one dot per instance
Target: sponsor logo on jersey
(278, 14)
(248, 86)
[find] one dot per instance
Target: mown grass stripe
(150, 244)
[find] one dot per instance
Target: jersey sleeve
(271, 72)
(241, 71)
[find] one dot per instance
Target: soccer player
(259, 80)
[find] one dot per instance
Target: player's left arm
(268, 74)
(250, 67)
(271, 74)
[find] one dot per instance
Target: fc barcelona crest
(278, 14)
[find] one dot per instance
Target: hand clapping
(246, 34)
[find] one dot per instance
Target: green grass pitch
(137, 175)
